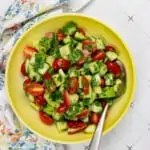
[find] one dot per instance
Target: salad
(69, 77)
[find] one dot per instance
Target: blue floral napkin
(12, 132)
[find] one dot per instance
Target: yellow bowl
(14, 80)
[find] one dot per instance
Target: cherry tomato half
(98, 55)
(85, 85)
(23, 70)
(45, 118)
(61, 63)
(72, 85)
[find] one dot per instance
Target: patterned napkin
(11, 131)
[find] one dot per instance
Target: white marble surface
(131, 19)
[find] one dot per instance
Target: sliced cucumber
(94, 67)
(49, 109)
(79, 36)
(97, 90)
(43, 70)
(58, 79)
(100, 44)
(30, 97)
(90, 129)
(109, 79)
(34, 106)
(118, 82)
(57, 116)
(96, 80)
(50, 60)
(112, 55)
(80, 82)
(103, 69)
(61, 126)
(86, 119)
(67, 40)
(79, 46)
(32, 60)
(74, 98)
(65, 51)
(96, 107)
(108, 92)
(27, 63)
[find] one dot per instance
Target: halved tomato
(114, 68)
(73, 85)
(98, 55)
(85, 85)
(83, 113)
(35, 89)
(61, 63)
(62, 108)
(39, 100)
(66, 98)
(45, 118)
(29, 51)
(47, 76)
(23, 70)
(94, 118)
(109, 48)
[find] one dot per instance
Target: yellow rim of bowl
(91, 18)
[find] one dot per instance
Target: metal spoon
(95, 143)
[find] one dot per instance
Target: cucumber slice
(112, 55)
(61, 126)
(96, 107)
(43, 70)
(32, 60)
(94, 67)
(65, 51)
(79, 46)
(109, 79)
(67, 40)
(86, 119)
(30, 97)
(27, 63)
(79, 36)
(100, 44)
(74, 98)
(34, 106)
(50, 60)
(108, 92)
(90, 128)
(57, 116)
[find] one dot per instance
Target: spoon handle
(96, 138)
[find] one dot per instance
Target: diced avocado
(100, 44)
(108, 92)
(69, 28)
(43, 70)
(103, 69)
(61, 126)
(96, 80)
(79, 36)
(94, 67)
(30, 97)
(109, 79)
(34, 106)
(57, 116)
(111, 55)
(85, 119)
(49, 109)
(50, 60)
(67, 40)
(58, 79)
(65, 51)
(73, 72)
(79, 46)
(90, 128)
(74, 98)
(27, 63)
(97, 90)
(117, 84)
(96, 107)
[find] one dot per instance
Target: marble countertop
(131, 19)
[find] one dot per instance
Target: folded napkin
(12, 131)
